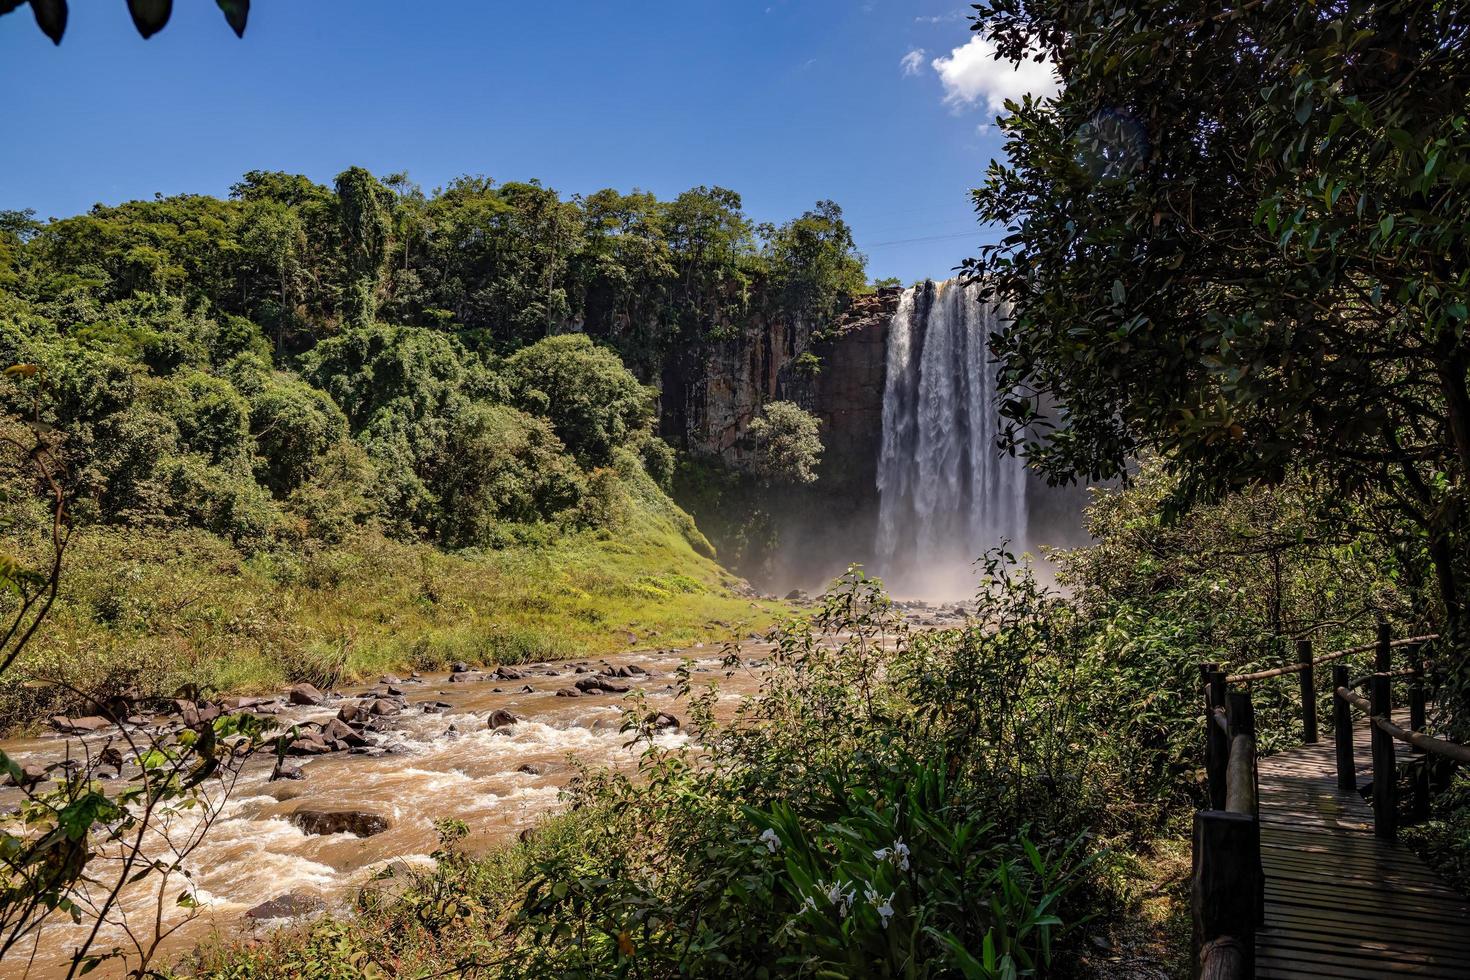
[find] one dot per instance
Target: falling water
(946, 494)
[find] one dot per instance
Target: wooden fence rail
(1229, 884)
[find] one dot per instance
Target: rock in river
(287, 907)
(359, 823)
(79, 726)
(305, 694)
(500, 718)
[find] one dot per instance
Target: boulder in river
(283, 771)
(195, 714)
(358, 823)
(305, 694)
(500, 718)
(459, 667)
(663, 720)
(464, 677)
(382, 708)
(569, 692)
(245, 704)
(287, 907)
(79, 726)
(509, 673)
(600, 685)
(310, 743)
(338, 731)
(30, 775)
(352, 713)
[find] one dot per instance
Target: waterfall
(946, 494)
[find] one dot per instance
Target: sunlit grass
(156, 612)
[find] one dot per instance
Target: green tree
(787, 443)
(365, 209)
(1237, 238)
(814, 263)
(592, 401)
(500, 466)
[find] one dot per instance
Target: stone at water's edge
(79, 726)
(305, 694)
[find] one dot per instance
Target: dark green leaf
(237, 12)
(50, 17)
(149, 16)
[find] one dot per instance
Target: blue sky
(785, 101)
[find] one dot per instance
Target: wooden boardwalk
(1340, 902)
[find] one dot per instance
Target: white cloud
(971, 73)
(913, 62)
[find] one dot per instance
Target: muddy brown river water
(438, 764)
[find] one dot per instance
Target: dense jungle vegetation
(312, 433)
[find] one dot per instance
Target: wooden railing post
(1383, 654)
(1217, 744)
(1226, 889)
(1385, 767)
(1418, 722)
(1418, 709)
(1342, 732)
(1309, 691)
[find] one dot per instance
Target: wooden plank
(1341, 902)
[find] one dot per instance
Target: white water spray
(946, 493)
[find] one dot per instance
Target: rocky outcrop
(712, 392)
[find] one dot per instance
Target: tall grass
(151, 612)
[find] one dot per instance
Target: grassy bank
(156, 611)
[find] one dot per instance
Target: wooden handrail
(1228, 887)
(1430, 744)
(1326, 658)
(1228, 897)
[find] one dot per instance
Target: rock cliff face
(711, 394)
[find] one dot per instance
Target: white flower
(898, 854)
(885, 911)
(810, 903)
(768, 837)
(843, 900)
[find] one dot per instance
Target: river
(437, 764)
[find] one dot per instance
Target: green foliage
(500, 466)
(788, 443)
(813, 261)
(1229, 240)
(363, 208)
(592, 401)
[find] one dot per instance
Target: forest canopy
(296, 359)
